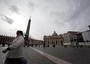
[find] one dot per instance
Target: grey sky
(47, 16)
(14, 8)
(6, 19)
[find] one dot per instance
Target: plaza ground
(69, 54)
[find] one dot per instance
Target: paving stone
(72, 55)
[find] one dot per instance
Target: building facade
(86, 35)
(5, 39)
(33, 42)
(53, 39)
(72, 36)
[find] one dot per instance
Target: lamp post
(89, 27)
(89, 31)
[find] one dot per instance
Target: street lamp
(89, 26)
(89, 31)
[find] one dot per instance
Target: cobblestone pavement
(2, 56)
(51, 57)
(35, 58)
(30, 55)
(73, 55)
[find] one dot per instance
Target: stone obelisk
(27, 33)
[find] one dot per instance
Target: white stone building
(86, 35)
(70, 36)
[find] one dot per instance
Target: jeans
(15, 61)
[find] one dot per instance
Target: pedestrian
(14, 51)
(77, 44)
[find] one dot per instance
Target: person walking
(14, 51)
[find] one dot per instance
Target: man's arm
(7, 49)
(16, 44)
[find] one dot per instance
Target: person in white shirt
(14, 54)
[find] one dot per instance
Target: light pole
(89, 31)
(89, 27)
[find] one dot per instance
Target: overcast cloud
(6, 19)
(15, 9)
(47, 16)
